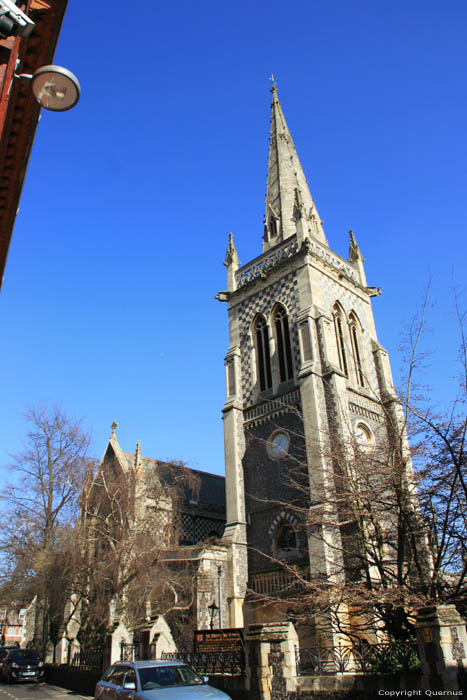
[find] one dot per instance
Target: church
(305, 378)
(306, 382)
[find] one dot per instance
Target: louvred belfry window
(284, 350)
(262, 354)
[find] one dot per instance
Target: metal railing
(361, 658)
(89, 660)
(137, 651)
(226, 663)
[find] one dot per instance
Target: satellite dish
(55, 88)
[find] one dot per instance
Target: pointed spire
(289, 205)
(356, 258)
(231, 262)
(137, 455)
(354, 248)
(231, 257)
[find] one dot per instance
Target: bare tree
(374, 534)
(132, 568)
(39, 508)
(439, 437)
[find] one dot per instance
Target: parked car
(154, 680)
(22, 665)
(3, 652)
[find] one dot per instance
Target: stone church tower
(304, 364)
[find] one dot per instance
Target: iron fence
(227, 663)
(392, 657)
(137, 651)
(90, 659)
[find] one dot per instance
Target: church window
(339, 328)
(286, 538)
(354, 336)
(263, 354)
(363, 436)
(284, 350)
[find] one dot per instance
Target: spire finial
(274, 84)
(114, 426)
(231, 255)
(354, 248)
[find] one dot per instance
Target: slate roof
(212, 486)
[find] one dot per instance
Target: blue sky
(108, 307)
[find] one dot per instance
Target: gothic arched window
(263, 357)
(286, 537)
(354, 328)
(284, 349)
(339, 328)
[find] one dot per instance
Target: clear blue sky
(108, 301)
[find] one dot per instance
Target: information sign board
(219, 640)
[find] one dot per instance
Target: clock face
(279, 444)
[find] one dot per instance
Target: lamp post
(212, 610)
(219, 593)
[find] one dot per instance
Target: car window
(189, 676)
(118, 676)
(130, 676)
(152, 677)
(108, 673)
(27, 654)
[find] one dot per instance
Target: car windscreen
(24, 654)
(152, 677)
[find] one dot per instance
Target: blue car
(155, 680)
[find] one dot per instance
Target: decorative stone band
(261, 267)
(366, 408)
(269, 409)
(331, 259)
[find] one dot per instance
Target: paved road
(36, 691)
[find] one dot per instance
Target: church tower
(304, 369)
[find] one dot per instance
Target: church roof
(212, 486)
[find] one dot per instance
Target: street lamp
(54, 87)
(212, 610)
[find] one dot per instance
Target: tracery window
(263, 358)
(340, 338)
(284, 349)
(357, 358)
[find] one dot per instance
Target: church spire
(290, 207)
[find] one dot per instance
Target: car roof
(148, 662)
